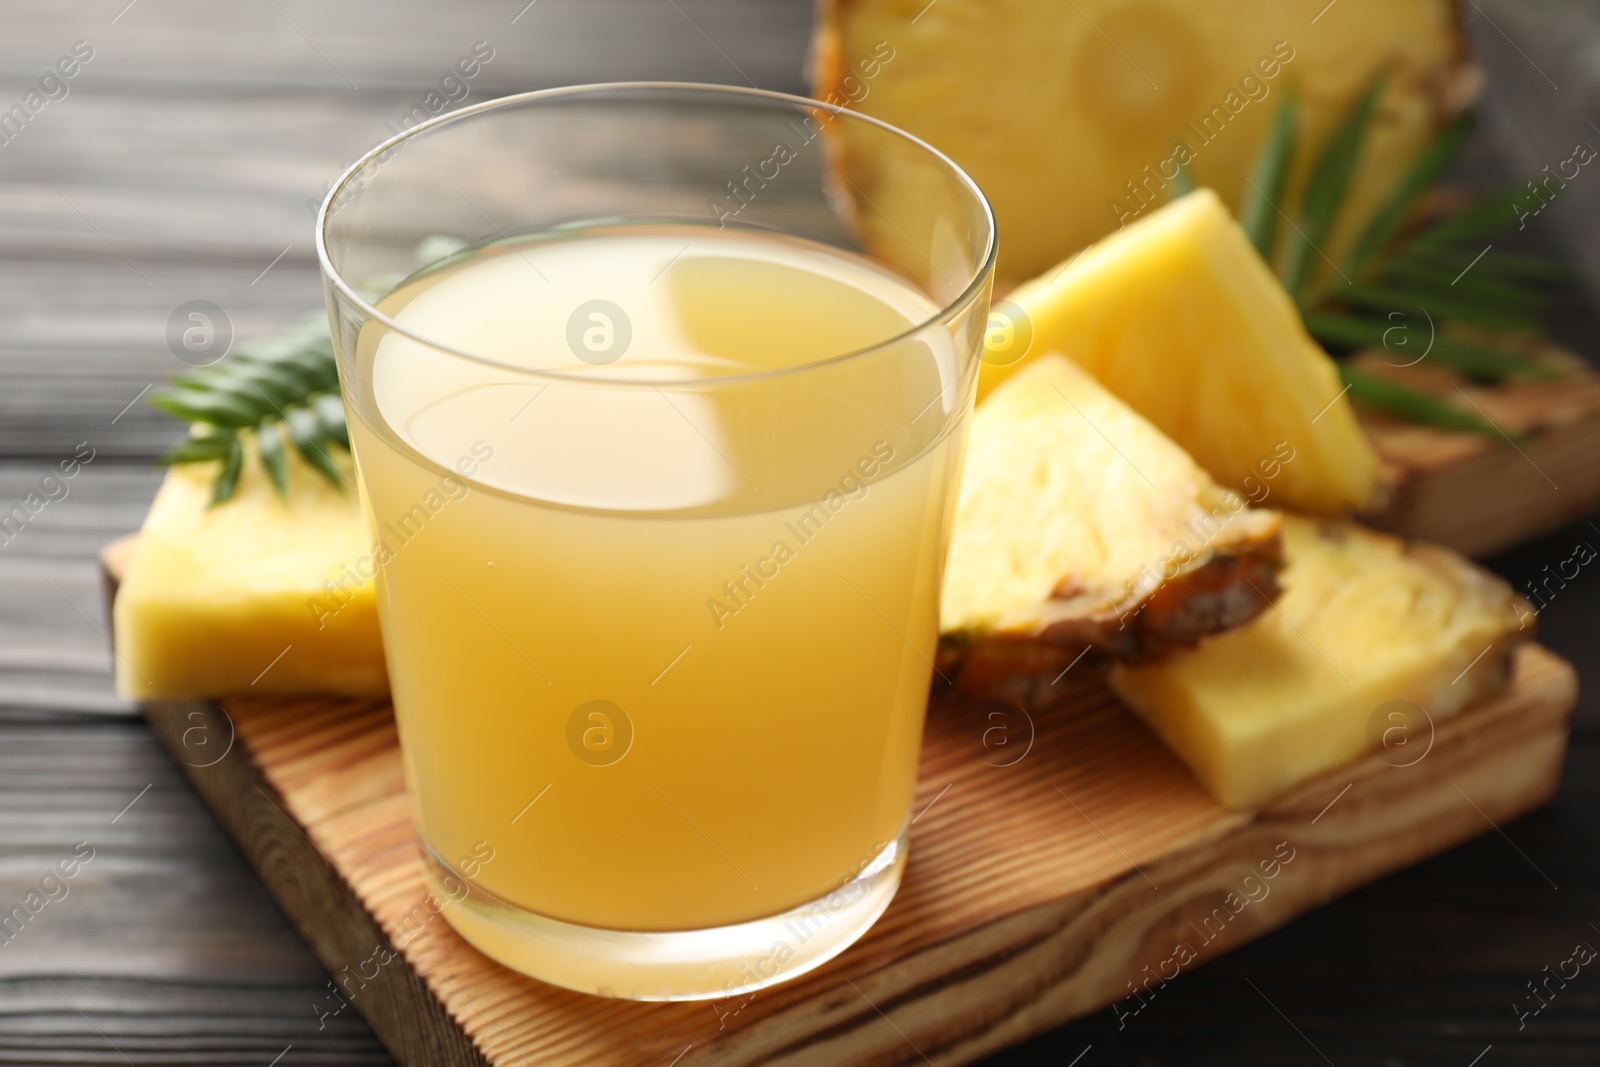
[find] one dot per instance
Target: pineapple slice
(1070, 116)
(1080, 524)
(1179, 317)
(256, 595)
(1364, 620)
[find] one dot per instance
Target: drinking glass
(658, 531)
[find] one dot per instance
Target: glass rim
(949, 309)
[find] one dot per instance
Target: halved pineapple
(1079, 524)
(1365, 620)
(1179, 317)
(1069, 115)
(255, 595)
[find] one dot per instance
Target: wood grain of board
(1038, 888)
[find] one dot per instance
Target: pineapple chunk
(1364, 620)
(1080, 524)
(232, 599)
(1069, 115)
(1179, 317)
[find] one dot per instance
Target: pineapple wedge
(1179, 317)
(1364, 620)
(1070, 116)
(256, 595)
(1078, 525)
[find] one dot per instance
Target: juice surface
(661, 640)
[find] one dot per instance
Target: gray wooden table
(179, 166)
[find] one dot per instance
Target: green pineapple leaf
(1410, 404)
(1423, 173)
(269, 446)
(1269, 177)
(288, 382)
(1327, 187)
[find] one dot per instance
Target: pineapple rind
(1180, 318)
(1079, 523)
(232, 599)
(1364, 619)
(1057, 110)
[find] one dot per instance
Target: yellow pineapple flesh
(1178, 316)
(1069, 115)
(1079, 524)
(1365, 622)
(256, 595)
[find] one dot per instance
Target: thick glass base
(680, 964)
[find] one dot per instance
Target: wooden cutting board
(1480, 493)
(1058, 866)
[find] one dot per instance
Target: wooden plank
(53, 636)
(1417, 968)
(119, 1021)
(1037, 893)
(164, 948)
(373, 47)
(1478, 493)
(86, 340)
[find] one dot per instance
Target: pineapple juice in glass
(660, 463)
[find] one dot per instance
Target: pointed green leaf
(320, 366)
(228, 480)
(294, 370)
(1511, 264)
(198, 449)
(269, 446)
(1535, 274)
(1510, 297)
(1326, 188)
(1269, 177)
(216, 409)
(1479, 222)
(329, 410)
(1440, 303)
(286, 372)
(1348, 332)
(1422, 173)
(257, 387)
(1344, 332)
(306, 433)
(1492, 364)
(1411, 404)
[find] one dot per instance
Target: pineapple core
(1364, 621)
(255, 595)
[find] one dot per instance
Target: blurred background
(184, 162)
